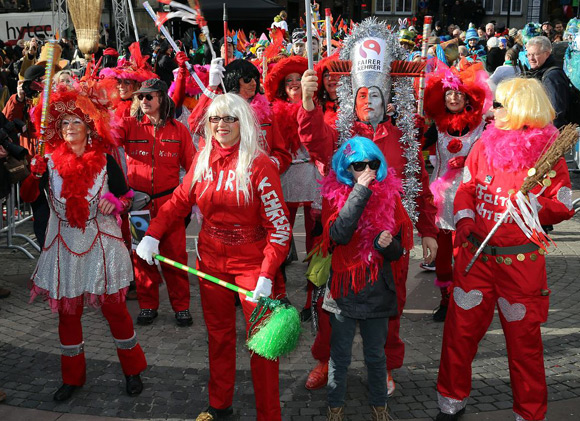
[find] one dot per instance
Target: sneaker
(449, 417)
(318, 377)
(211, 414)
(428, 267)
(146, 316)
(306, 314)
(390, 384)
(183, 318)
(335, 414)
(440, 314)
(380, 413)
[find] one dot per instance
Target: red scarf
(355, 262)
(287, 119)
(78, 176)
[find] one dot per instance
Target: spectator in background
(547, 30)
(558, 31)
(544, 68)
(495, 55)
(165, 63)
(507, 70)
(490, 30)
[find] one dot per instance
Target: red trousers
(444, 258)
(219, 313)
(394, 347)
(148, 278)
(520, 291)
(70, 331)
(308, 222)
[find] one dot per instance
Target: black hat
(238, 69)
(34, 73)
(152, 85)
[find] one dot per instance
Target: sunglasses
(148, 97)
(497, 105)
(248, 79)
(360, 166)
(226, 119)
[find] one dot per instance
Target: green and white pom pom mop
(275, 326)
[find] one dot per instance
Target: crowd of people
(122, 150)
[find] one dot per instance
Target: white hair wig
(232, 105)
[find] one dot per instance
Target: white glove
(263, 289)
(216, 72)
(147, 248)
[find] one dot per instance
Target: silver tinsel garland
(403, 98)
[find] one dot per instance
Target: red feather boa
(78, 176)
(514, 150)
(287, 119)
(352, 262)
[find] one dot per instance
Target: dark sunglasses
(496, 105)
(360, 166)
(148, 97)
(248, 79)
(226, 119)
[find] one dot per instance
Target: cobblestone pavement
(176, 379)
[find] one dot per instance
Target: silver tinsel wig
(372, 47)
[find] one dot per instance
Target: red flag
(302, 23)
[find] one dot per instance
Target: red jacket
(219, 245)
(15, 109)
(155, 156)
(483, 194)
(271, 139)
(320, 140)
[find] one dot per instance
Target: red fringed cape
(356, 263)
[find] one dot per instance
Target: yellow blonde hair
(526, 104)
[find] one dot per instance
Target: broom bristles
(565, 141)
(86, 17)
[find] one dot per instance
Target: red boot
(318, 377)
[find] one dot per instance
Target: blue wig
(354, 150)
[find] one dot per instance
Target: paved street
(176, 380)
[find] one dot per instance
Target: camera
(9, 131)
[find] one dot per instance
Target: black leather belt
(495, 251)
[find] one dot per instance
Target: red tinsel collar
(287, 117)
(78, 175)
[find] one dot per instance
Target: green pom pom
(277, 333)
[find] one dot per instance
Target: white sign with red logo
(369, 56)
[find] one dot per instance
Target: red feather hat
(283, 68)
(472, 81)
(136, 68)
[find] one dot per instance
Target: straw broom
(86, 16)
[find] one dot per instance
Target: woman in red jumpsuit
(244, 238)
(511, 271)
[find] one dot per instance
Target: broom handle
(133, 20)
(309, 51)
(205, 276)
(49, 70)
(424, 49)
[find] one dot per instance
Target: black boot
(134, 385)
(449, 417)
(64, 392)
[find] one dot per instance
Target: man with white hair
(490, 30)
(544, 68)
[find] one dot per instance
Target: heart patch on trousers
(467, 300)
(512, 312)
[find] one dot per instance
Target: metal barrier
(16, 214)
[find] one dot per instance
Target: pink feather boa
(261, 107)
(440, 186)
(515, 150)
(378, 215)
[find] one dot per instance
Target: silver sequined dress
(445, 182)
(299, 181)
(90, 264)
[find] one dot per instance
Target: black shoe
(64, 392)
(449, 417)
(212, 413)
(306, 314)
(429, 267)
(134, 385)
(440, 314)
(183, 318)
(146, 316)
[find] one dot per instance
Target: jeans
(374, 335)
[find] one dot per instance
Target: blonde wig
(232, 105)
(526, 104)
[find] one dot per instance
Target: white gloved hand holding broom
(263, 289)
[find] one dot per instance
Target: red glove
(463, 228)
(181, 59)
(38, 166)
(457, 162)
